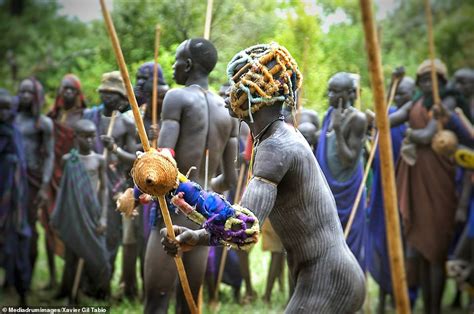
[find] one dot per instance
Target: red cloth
(427, 196)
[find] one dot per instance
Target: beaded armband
(227, 224)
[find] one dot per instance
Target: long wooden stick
(207, 24)
(154, 98)
(301, 91)
(434, 77)
(431, 47)
(77, 278)
(126, 78)
(368, 166)
(110, 129)
(179, 262)
(146, 145)
(392, 222)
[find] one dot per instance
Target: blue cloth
(15, 233)
(377, 251)
(345, 193)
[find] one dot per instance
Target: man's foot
(249, 297)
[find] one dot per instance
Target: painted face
(113, 101)
(5, 108)
(339, 90)
(26, 93)
(142, 76)
(85, 139)
(227, 103)
(464, 83)
(424, 82)
(69, 93)
(403, 95)
(181, 65)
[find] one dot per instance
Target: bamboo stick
(154, 98)
(207, 24)
(126, 78)
(179, 262)
(146, 146)
(392, 222)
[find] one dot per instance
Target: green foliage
(48, 45)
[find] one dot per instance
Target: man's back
(203, 123)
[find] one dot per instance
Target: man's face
(113, 100)
(181, 65)
(339, 91)
(464, 83)
(5, 108)
(142, 76)
(425, 85)
(69, 93)
(26, 93)
(403, 95)
(227, 103)
(85, 140)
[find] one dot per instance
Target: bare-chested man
(339, 154)
(288, 186)
(37, 132)
(194, 121)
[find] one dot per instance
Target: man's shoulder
(46, 123)
(357, 118)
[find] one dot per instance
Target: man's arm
(48, 148)
(171, 118)
(349, 149)
(425, 135)
(270, 167)
(48, 142)
(104, 200)
(401, 115)
(227, 180)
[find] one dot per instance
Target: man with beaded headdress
(194, 123)
(287, 186)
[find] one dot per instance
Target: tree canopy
(38, 41)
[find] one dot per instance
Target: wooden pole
(154, 98)
(179, 262)
(368, 166)
(146, 146)
(301, 91)
(431, 48)
(392, 222)
(77, 279)
(207, 24)
(434, 77)
(126, 78)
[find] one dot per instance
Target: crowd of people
(69, 170)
